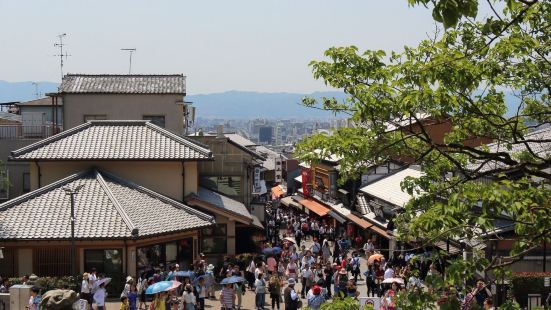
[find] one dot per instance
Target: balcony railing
(17, 132)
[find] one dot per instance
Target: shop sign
(306, 175)
(256, 182)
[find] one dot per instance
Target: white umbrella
(392, 280)
(102, 281)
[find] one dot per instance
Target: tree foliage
(464, 75)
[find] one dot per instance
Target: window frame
(94, 117)
(217, 235)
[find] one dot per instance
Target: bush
(525, 283)
(51, 283)
(342, 304)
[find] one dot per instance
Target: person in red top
(344, 261)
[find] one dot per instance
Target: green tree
(463, 76)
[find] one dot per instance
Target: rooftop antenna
(130, 51)
(36, 93)
(61, 55)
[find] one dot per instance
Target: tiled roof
(106, 207)
(542, 149)
(223, 202)
(123, 84)
(389, 188)
(114, 140)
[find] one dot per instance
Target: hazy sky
(257, 45)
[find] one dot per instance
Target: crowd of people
(305, 259)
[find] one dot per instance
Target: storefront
(165, 254)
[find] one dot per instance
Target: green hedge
(525, 283)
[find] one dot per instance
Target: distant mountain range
(226, 105)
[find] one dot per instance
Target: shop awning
(315, 207)
(256, 222)
(443, 246)
(277, 191)
(359, 221)
(380, 231)
(337, 217)
(289, 202)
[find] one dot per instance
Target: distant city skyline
(220, 45)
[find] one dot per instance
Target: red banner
(306, 175)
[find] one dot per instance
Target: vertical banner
(256, 180)
(306, 175)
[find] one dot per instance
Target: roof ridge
(159, 196)
(115, 202)
(120, 75)
(49, 140)
(42, 190)
(189, 142)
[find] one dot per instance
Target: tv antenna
(36, 93)
(61, 55)
(130, 51)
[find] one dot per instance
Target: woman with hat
(126, 289)
(86, 288)
(290, 296)
(315, 298)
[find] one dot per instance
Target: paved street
(249, 297)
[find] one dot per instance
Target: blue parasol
(272, 251)
(232, 279)
(162, 286)
(183, 274)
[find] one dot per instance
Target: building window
(158, 120)
(26, 182)
(227, 185)
(52, 261)
(107, 262)
(214, 239)
(91, 117)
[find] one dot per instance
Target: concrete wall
(123, 107)
(229, 160)
(163, 177)
(47, 110)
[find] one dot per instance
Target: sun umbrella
(290, 239)
(272, 251)
(162, 286)
(183, 274)
(232, 279)
(392, 280)
(101, 281)
(373, 258)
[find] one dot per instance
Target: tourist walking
(316, 298)
(291, 299)
(274, 287)
(260, 292)
(99, 296)
(188, 298)
(86, 289)
(227, 297)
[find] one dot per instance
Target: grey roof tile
(114, 140)
(223, 202)
(105, 207)
(123, 84)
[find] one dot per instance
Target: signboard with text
(306, 174)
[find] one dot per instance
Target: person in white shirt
(308, 259)
(86, 288)
(307, 276)
(368, 248)
(389, 272)
(188, 298)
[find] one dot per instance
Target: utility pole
(72, 192)
(130, 51)
(61, 55)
